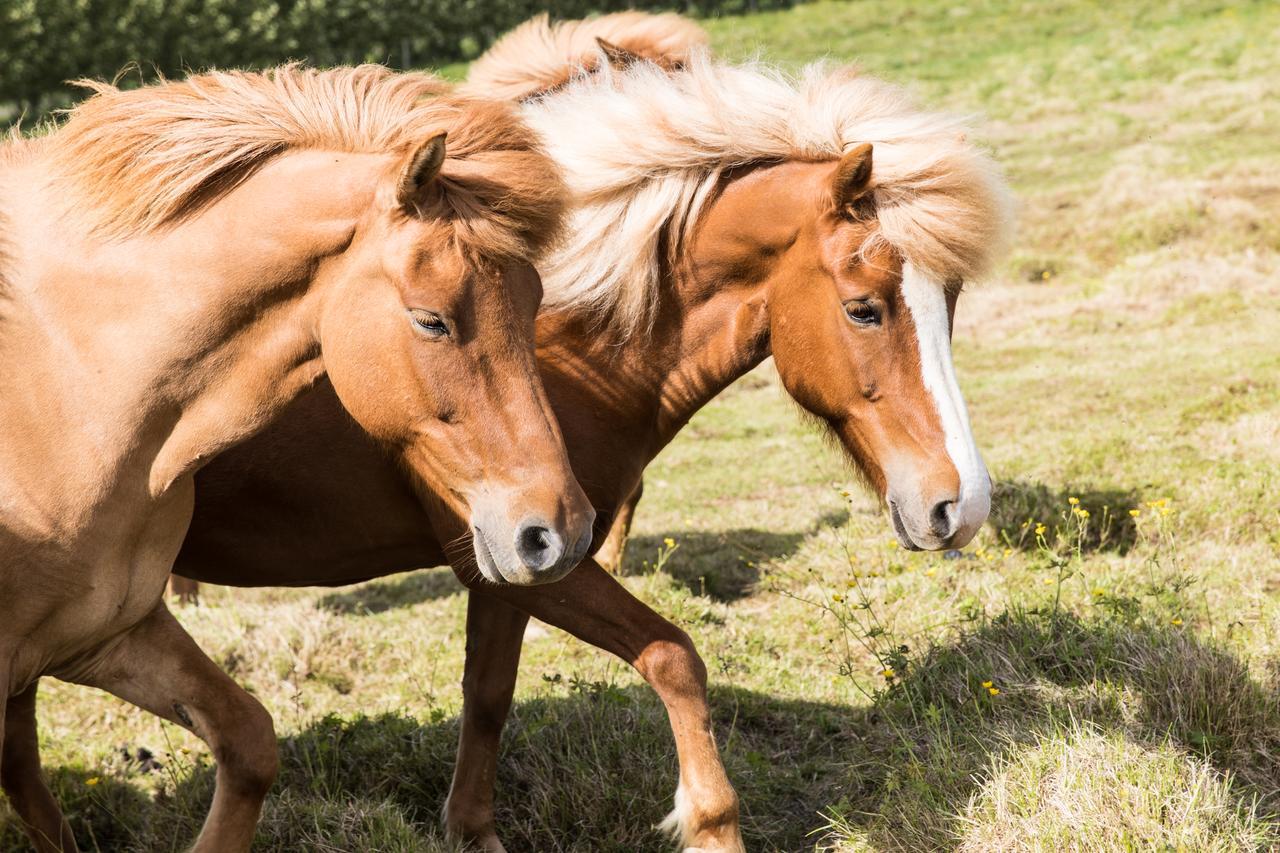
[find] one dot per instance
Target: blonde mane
(539, 56)
(643, 149)
(136, 160)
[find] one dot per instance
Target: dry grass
(1087, 790)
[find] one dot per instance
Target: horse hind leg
(159, 668)
(23, 781)
(615, 544)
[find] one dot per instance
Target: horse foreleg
(594, 607)
(495, 633)
(614, 548)
(23, 781)
(158, 667)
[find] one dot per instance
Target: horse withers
(178, 264)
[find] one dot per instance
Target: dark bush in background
(43, 43)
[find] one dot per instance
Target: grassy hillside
(1100, 671)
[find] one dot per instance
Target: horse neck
(161, 349)
(621, 402)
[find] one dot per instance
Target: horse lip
(483, 542)
(900, 529)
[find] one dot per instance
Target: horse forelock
(131, 161)
(505, 196)
(643, 148)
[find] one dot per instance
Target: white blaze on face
(927, 302)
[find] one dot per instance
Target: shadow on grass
(106, 812)
(592, 766)
(935, 732)
(723, 564)
(1014, 502)
(403, 591)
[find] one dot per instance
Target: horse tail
(539, 57)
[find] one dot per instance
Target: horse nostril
(537, 546)
(941, 520)
(535, 539)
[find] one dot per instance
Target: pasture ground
(1109, 682)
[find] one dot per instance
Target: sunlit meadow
(1100, 670)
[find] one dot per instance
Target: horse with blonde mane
(181, 263)
(719, 214)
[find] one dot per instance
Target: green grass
(1125, 354)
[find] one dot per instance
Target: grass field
(1072, 681)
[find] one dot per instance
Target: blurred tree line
(43, 43)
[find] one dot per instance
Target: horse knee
(247, 752)
(672, 664)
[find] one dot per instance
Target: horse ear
(423, 168)
(619, 57)
(852, 176)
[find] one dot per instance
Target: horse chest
(79, 593)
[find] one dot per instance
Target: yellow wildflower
(994, 691)
(930, 572)
(669, 542)
(987, 684)
(1176, 621)
(1099, 591)
(1084, 513)
(1040, 529)
(92, 780)
(888, 672)
(1135, 512)
(1073, 501)
(1008, 552)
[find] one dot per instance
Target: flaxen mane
(538, 56)
(643, 149)
(135, 160)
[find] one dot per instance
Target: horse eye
(862, 313)
(429, 323)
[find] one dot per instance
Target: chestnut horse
(236, 237)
